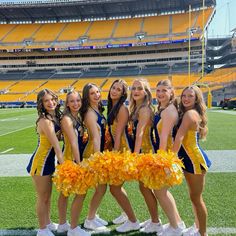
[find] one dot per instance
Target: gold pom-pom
(162, 169)
(113, 167)
(72, 178)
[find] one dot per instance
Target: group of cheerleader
(175, 126)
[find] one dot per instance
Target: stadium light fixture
(140, 36)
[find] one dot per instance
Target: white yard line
(8, 150)
(16, 131)
(224, 112)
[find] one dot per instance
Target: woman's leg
(62, 208)
(96, 200)
(151, 202)
(119, 193)
(76, 209)
(168, 205)
(196, 185)
(43, 187)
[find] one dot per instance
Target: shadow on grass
(30, 231)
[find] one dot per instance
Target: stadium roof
(79, 10)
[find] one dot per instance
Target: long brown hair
(200, 107)
(42, 112)
(173, 100)
(112, 112)
(134, 110)
(85, 100)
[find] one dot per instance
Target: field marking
(224, 112)
(221, 230)
(9, 119)
(8, 150)
(17, 131)
(24, 232)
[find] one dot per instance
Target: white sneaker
(52, 226)
(77, 232)
(63, 228)
(120, 219)
(95, 225)
(144, 223)
(181, 225)
(100, 220)
(192, 231)
(196, 233)
(44, 232)
(152, 227)
(128, 226)
(170, 231)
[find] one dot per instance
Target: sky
(223, 22)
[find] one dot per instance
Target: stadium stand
(98, 33)
(20, 33)
(98, 42)
(73, 31)
(156, 25)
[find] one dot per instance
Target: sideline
(15, 164)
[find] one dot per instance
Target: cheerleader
(193, 126)
(165, 119)
(141, 115)
(117, 118)
(42, 163)
(73, 150)
(95, 122)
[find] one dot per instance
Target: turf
(24, 138)
(18, 200)
(222, 130)
(17, 196)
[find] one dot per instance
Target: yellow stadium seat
(21, 32)
(156, 25)
(73, 31)
(128, 28)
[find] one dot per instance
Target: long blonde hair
(67, 111)
(134, 110)
(167, 83)
(200, 107)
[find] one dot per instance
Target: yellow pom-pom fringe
(160, 170)
(113, 167)
(156, 171)
(71, 178)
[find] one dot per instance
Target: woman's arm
(122, 119)
(169, 118)
(186, 124)
(68, 129)
(90, 121)
(47, 127)
(144, 117)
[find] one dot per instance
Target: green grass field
(18, 200)
(17, 131)
(17, 195)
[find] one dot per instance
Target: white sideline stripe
(16, 131)
(221, 230)
(8, 150)
(19, 232)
